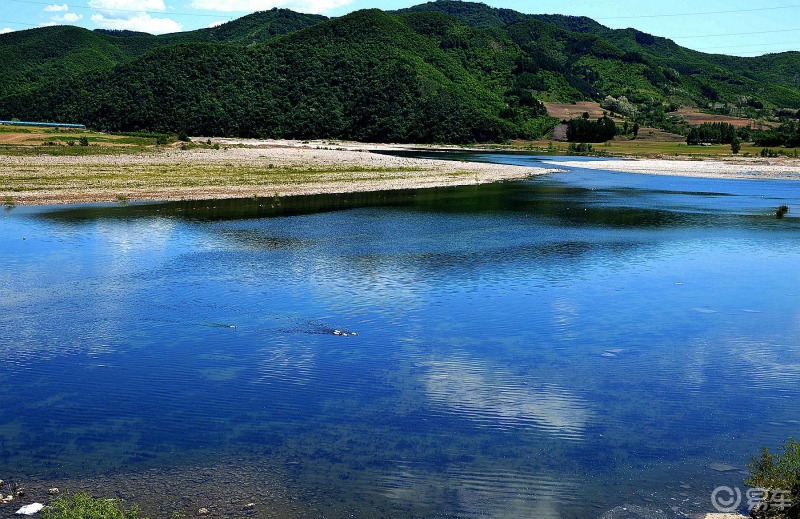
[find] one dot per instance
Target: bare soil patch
(571, 111)
(694, 117)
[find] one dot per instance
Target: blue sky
(736, 27)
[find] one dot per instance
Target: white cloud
(62, 18)
(128, 5)
(67, 18)
(137, 22)
(6, 30)
(132, 15)
(308, 6)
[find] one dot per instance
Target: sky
(734, 27)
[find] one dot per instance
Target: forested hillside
(366, 76)
(445, 71)
(641, 66)
(37, 57)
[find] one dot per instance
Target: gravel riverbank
(231, 172)
(243, 168)
(785, 169)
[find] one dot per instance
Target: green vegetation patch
(154, 176)
(14, 129)
(64, 150)
(84, 506)
(778, 477)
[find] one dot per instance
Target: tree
(84, 141)
(736, 145)
(635, 130)
(712, 133)
(583, 130)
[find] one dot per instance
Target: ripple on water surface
(467, 492)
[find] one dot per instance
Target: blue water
(556, 347)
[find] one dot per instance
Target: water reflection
(494, 397)
(286, 362)
(517, 343)
(473, 494)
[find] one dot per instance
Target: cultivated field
(51, 137)
(571, 111)
(695, 117)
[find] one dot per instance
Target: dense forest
(711, 133)
(445, 71)
(584, 130)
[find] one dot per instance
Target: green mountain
(651, 65)
(445, 71)
(38, 57)
(366, 76)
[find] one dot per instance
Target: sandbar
(233, 171)
(242, 168)
(743, 168)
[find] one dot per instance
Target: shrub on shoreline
(84, 506)
(778, 476)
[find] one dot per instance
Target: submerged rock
(722, 467)
(634, 512)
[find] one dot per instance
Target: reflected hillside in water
(565, 203)
(581, 197)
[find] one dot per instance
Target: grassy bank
(621, 147)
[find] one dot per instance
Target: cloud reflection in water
(496, 398)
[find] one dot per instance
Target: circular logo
(726, 499)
